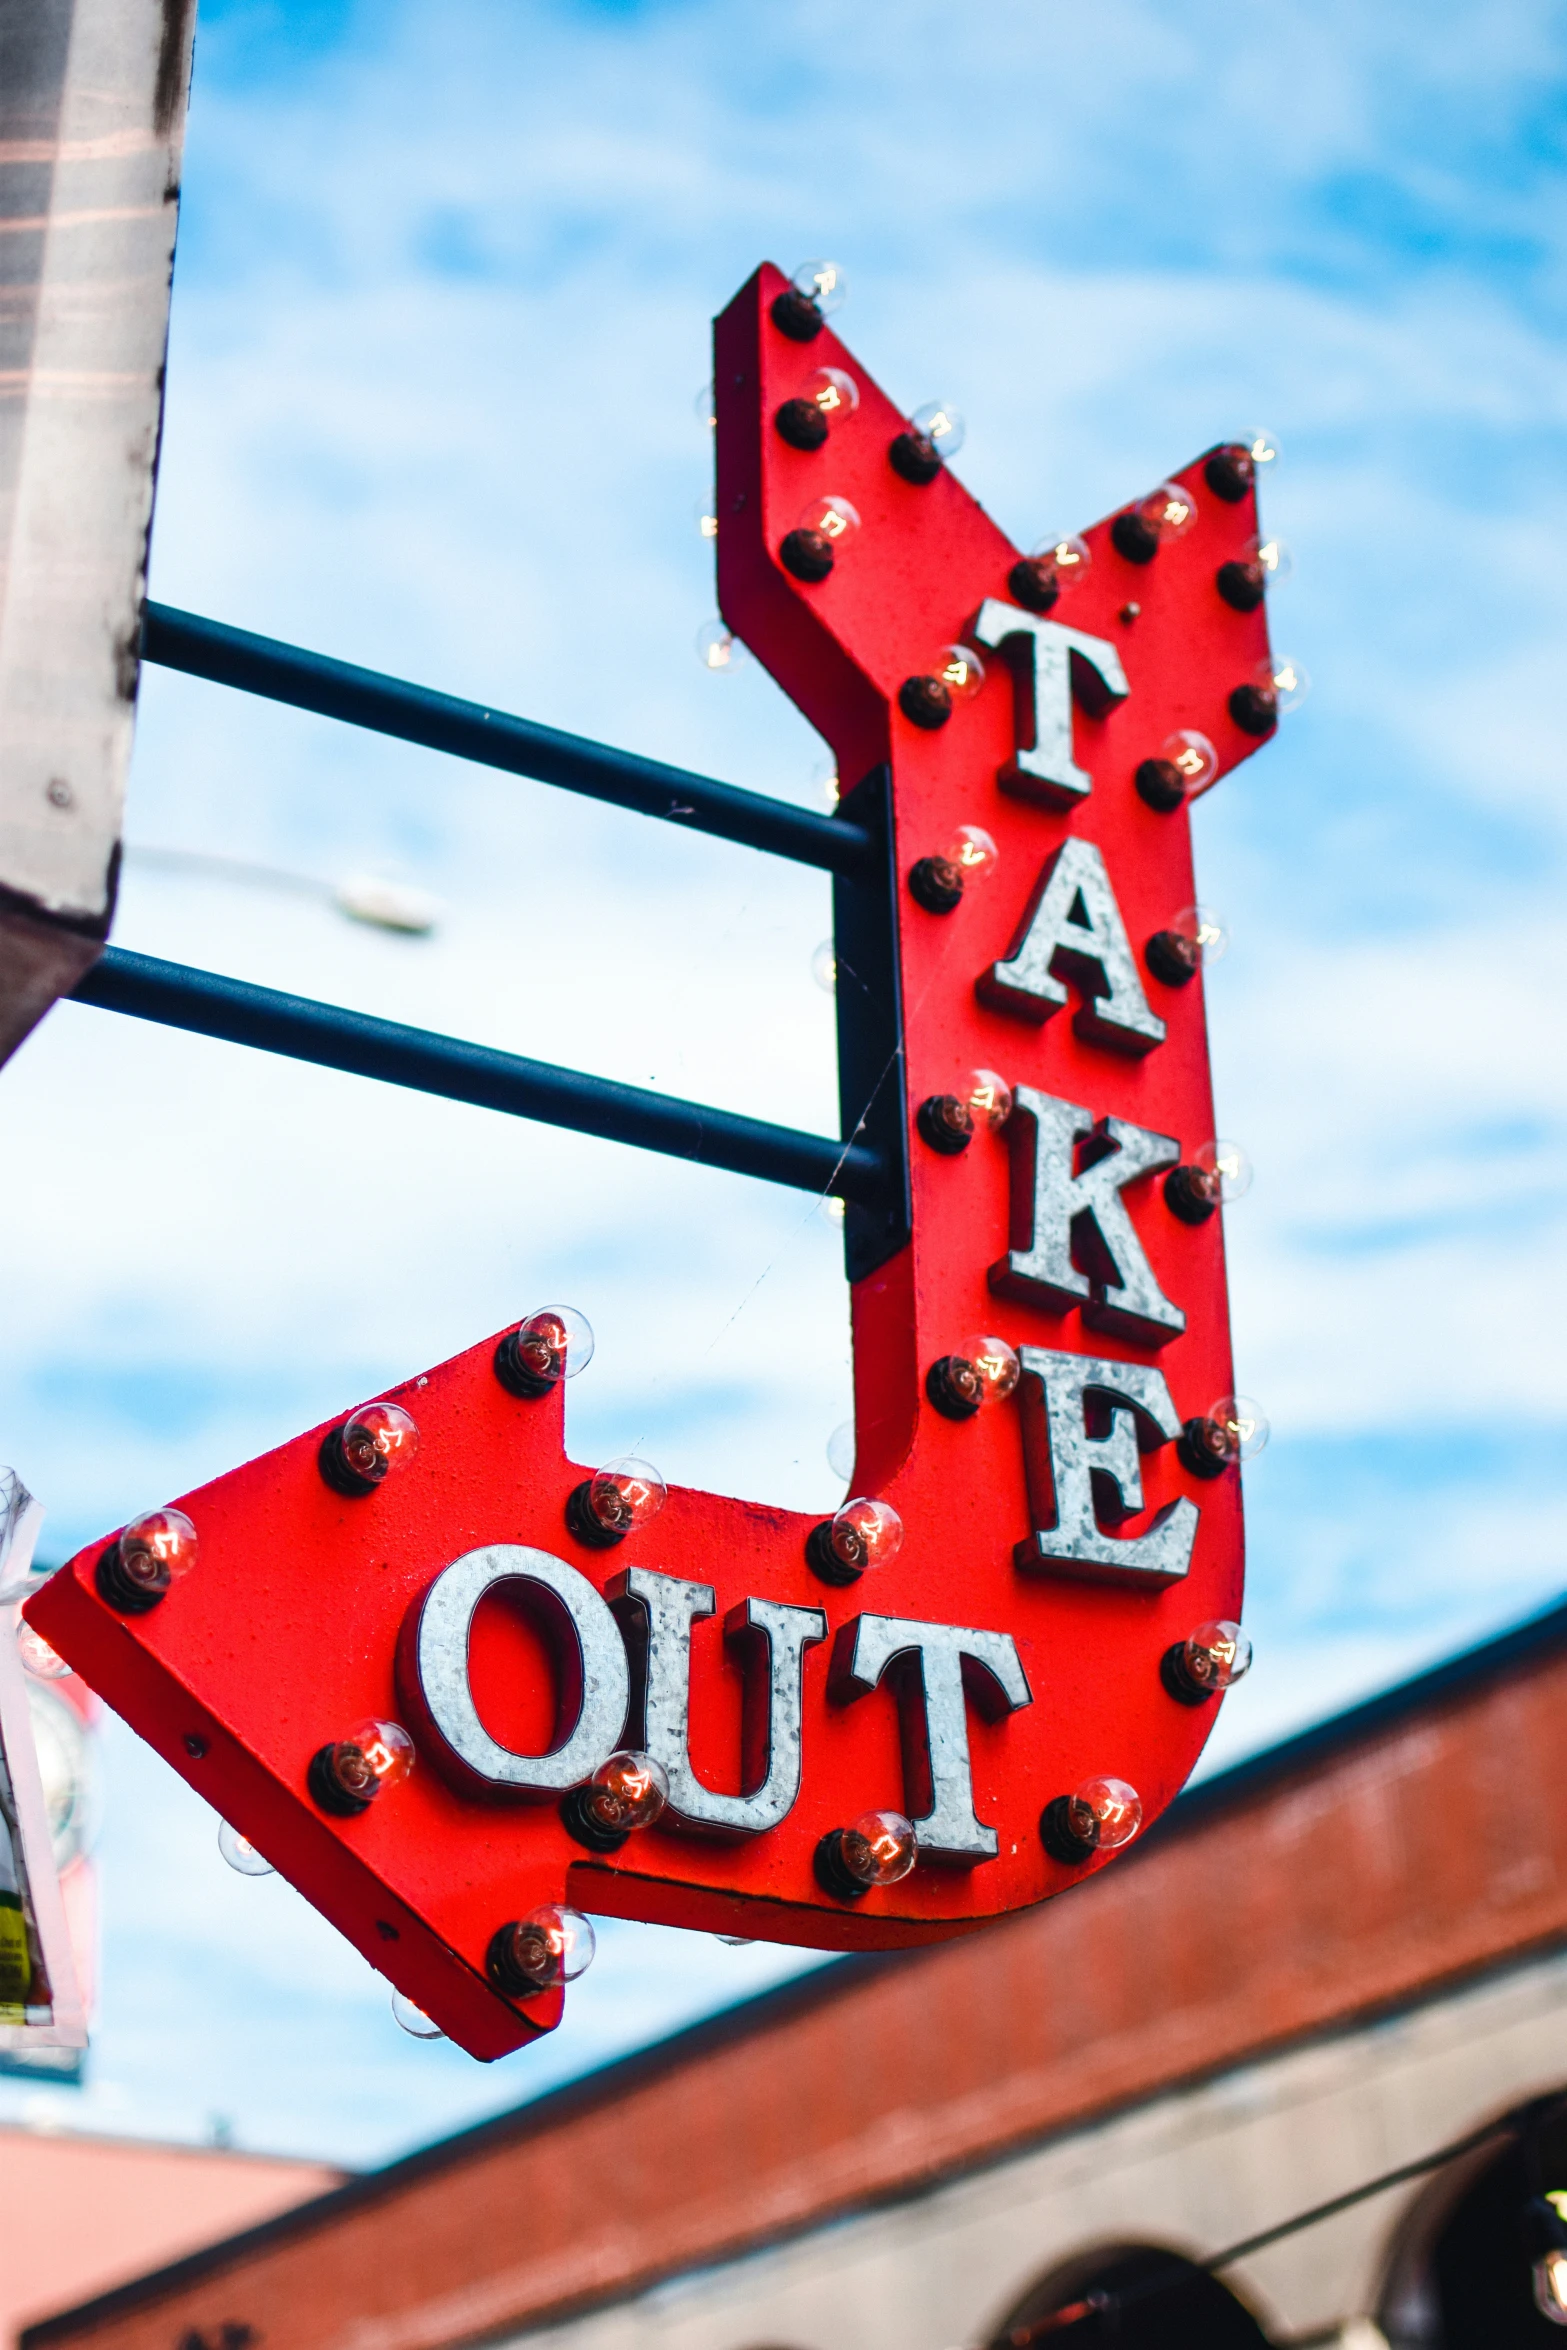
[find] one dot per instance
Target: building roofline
(1538, 1635)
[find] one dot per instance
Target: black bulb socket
(327, 1789)
(955, 1388)
(824, 1561)
(808, 554)
(916, 458)
(1230, 473)
(1161, 784)
(582, 1521)
(802, 424)
(832, 1872)
(1172, 957)
(796, 315)
(936, 884)
(584, 1826)
(1242, 585)
(1132, 535)
(1032, 583)
(1060, 1839)
(1204, 1448)
(938, 1121)
(125, 1592)
(500, 1964)
(1191, 1194)
(1255, 709)
(926, 702)
(339, 1471)
(1175, 1674)
(516, 1376)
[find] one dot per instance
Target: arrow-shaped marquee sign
(1041, 1346)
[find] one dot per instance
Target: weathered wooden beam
(92, 118)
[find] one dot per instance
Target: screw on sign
(461, 1690)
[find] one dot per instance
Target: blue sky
(441, 308)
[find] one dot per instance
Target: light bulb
(1244, 581)
(948, 1121)
(824, 967)
(834, 391)
(938, 422)
(718, 648)
(862, 1534)
(959, 1384)
(825, 527)
(1166, 514)
(830, 394)
(241, 1854)
(155, 1551)
(358, 1457)
(552, 1945)
(1195, 937)
(1214, 1175)
(956, 676)
(1186, 763)
(628, 1791)
(997, 1364)
(1037, 578)
(551, 1345)
(937, 883)
(1275, 687)
(1550, 2287)
(822, 282)
(989, 1098)
(38, 1658)
(1099, 1816)
(841, 1448)
(614, 1502)
(413, 2020)
(880, 1848)
(1230, 1431)
(350, 1773)
(1232, 469)
(961, 671)
(1206, 1663)
(705, 516)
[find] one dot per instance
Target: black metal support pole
(304, 1030)
(467, 730)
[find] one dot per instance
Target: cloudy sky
(442, 304)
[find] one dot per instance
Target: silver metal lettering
(769, 1640)
(1074, 1243)
(1073, 920)
(937, 1669)
(1052, 661)
(592, 1682)
(1080, 1475)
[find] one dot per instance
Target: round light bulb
(1549, 2279)
(879, 1849)
(552, 1945)
(1104, 1814)
(1204, 932)
(377, 1439)
(1226, 1169)
(997, 1364)
(1216, 1655)
(156, 1550)
(38, 1658)
(1288, 681)
(960, 669)
(1186, 763)
(1169, 511)
(413, 2020)
(718, 648)
(624, 1495)
(972, 851)
(1262, 447)
(629, 1790)
(241, 1854)
(551, 1345)
(822, 282)
(841, 1450)
(1037, 579)
(705, 516)
(824, 967)
(834, 392)
(941, 424)
(831, 518)
(866, 1534)
(351, 1773)
(1243, 1425)
(987, 1098)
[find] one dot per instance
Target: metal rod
(467, 730)
(209, 1005)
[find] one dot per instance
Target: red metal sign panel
(1059, 1542)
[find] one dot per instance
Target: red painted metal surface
(287, 1632)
